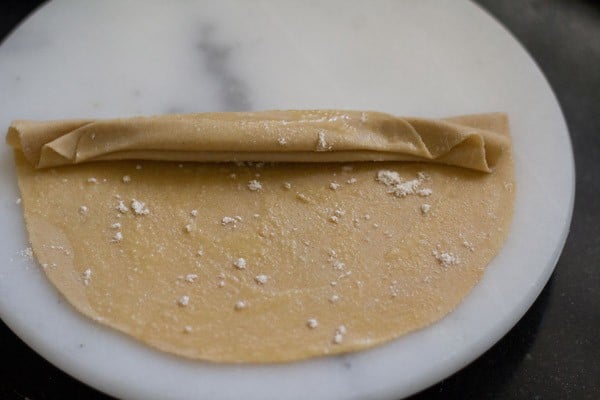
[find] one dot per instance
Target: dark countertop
(554, 350)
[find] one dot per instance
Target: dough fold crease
(269, 136)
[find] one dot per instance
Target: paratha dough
(290, 136)
(267, 263)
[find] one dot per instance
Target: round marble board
(424, 58)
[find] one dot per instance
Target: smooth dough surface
(332, 262)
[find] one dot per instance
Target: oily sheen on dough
(336, 256)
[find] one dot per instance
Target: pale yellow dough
(380, 268)
(289, 136)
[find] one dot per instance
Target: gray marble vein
(216, 58)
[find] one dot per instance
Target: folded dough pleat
(270, 136)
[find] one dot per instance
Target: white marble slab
(427, 58)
